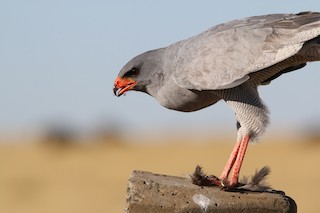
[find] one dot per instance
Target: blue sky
(58, 60)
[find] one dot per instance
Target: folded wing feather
(223, 56)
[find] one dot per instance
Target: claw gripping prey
(255, 183)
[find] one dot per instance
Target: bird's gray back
(224, 55)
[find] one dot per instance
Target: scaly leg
(230, 162)
(233, 180)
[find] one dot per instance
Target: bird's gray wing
(223, 56)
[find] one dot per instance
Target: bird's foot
(255, 183)
(230, 184)
(201, 179)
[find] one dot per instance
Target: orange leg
(235, 161)
(230, 162)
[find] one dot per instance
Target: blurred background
(67, 144)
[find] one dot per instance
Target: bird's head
(137, 74)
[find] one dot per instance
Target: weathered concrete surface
(148, 192)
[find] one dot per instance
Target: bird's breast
(177, 98)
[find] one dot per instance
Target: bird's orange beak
(122, 85)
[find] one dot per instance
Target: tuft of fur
(199, 178)
(257, 181)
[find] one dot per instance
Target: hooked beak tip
(116, 88)
(115, 91)
(121, 86)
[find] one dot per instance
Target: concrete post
(148, 192)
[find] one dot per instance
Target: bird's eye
(133, 72)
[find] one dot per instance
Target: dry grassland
(92, 178)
